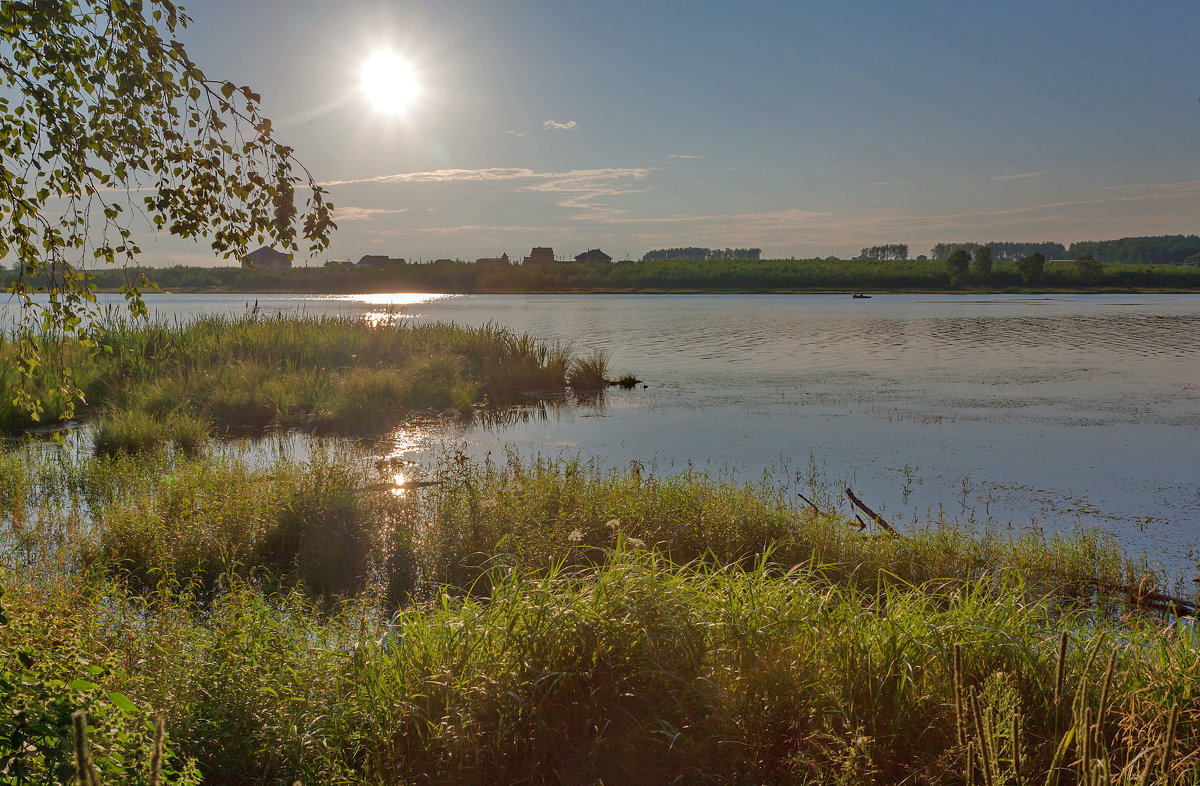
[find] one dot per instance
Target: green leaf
(122, 702)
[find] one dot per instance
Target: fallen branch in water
(872, 514)
(811, 504)
(1150, 597)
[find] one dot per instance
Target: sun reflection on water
(397, 298)
(390, 305)
(400, 452)
(400, 480)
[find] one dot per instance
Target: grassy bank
(158, 383)
(779, 275)
(552, 622)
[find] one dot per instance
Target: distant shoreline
(597, 291)
(683, 277)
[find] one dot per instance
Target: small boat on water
(857, 295)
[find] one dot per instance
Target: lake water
(1049, 412)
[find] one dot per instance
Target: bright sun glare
(389, 83)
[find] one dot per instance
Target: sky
(805, 128)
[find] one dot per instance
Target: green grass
(135, 431)
(553, 621)
(159, 383)
(590, 373)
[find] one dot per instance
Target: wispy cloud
(1023, 175)
(552, 125)
(581, 187)
(683, 155)
(353, 213)
(789, 227)
(455, 230)
(591, 197)
(893, 182)
(788, 217)
(1183, 185)
(517, 134)
(441, 176)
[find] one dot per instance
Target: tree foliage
(1031, 267)
(695, 252)
(896, 251)
(1088, 268)
(108, 130)
(981, 263)
(1155, 250)
(957, 264)
(1002, 251)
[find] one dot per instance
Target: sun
(389, 82)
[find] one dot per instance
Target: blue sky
(803, 128)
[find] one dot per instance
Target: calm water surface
(1050, 412)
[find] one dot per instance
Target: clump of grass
(136, 431)
(589, 373)
(198, 520)
(366, 400)
(465, 395)
(189, 434)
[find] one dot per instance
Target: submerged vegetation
(556, 622)
(153, 383)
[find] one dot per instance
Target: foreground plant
(544, 620)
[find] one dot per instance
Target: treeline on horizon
(695, 252)
(785, 275)
(1154, 250)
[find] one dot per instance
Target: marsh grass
(552, 621)
(533, 512)
(136, 431)
(205, 520)
(589, 373)
(321, 374)
(641, 670)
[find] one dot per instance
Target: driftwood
(858, 503)
(1149, 598)
(811, 504)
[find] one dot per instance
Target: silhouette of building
(500, 260)
(267, 258)
(593, 255)
(379, 260)
(539, 255)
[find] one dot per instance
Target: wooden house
(267, 258)
(593, 255)
(539, 255)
